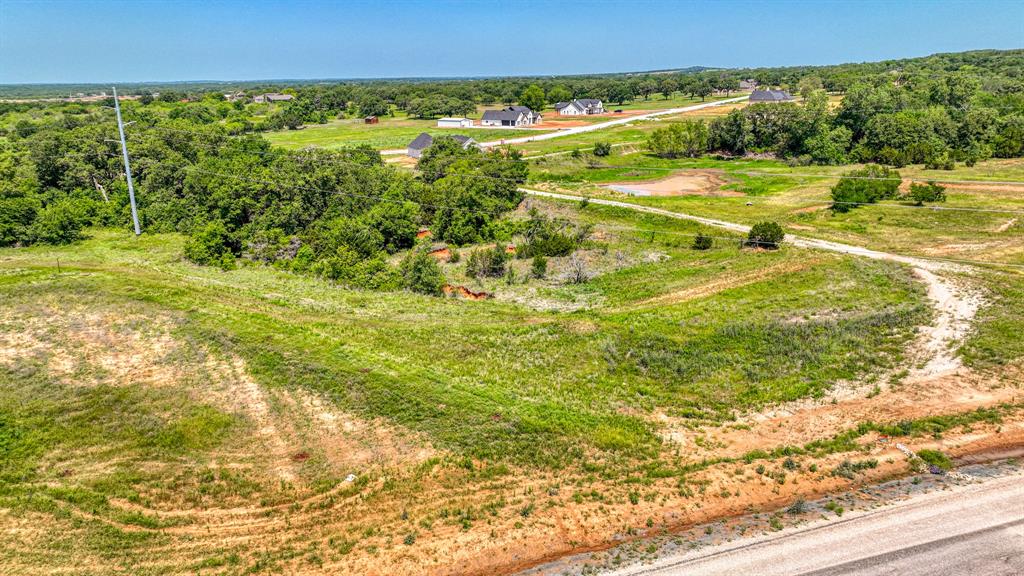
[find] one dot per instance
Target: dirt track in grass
(682, 183)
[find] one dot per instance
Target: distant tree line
(935, 123)
(338, 214)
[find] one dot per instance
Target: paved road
(972, 530)
(592, 127)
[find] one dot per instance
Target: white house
(580, 107)
(511, 116)
(454, 123)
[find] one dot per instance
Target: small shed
(454, 123)
(370, 120)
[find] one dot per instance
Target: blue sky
(104, 41)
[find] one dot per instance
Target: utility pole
(127, 166)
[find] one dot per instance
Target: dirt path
(954, 301)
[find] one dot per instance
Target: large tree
(532, 98)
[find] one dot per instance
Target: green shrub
(58, 223)
(420, 272)
(208, 244)
(547, 236)
(702, 241)
(539, 267)
(848, 469)
(935, 458)
(765, 235)
(487, 262)
(865, 186)
(687, 139)
(930, 192)
(602, 149)
(16, 217)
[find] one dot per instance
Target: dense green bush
(17, 217)
(487, 262)
(539, 267)
(865, 186)
(702, 241)
(209, 244)
(546, 236)
(688, 139)
(930, 192)
(602, 149)
(58, 223)
(935, 458)
(765, 235)
(420, 272)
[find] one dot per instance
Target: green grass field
(390, 133)
(798, 198)
(141, 395)
(398, 131)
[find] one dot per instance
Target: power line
(517, 181)
(229, 137)
(622, 228)
(492, 214)
(127, 165)
(435, 206)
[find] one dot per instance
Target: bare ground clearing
(682, 183)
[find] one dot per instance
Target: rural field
(978, 221)
(160, 415)
(243, 333)
(390, 133)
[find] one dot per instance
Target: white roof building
(454, 123)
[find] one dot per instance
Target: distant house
(580, 107)
(510, 116)
(234, 96)
(748, 84)
(770, 96)
(454, 123)
(272, 97)
(424, 140)
(370, 120)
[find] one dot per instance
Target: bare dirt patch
(683, 183)
(712, 111)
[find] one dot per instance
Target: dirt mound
(463, 292)
(683, 183)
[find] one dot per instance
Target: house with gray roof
(272, 97)
(770, 96)
(424, 141)
(510, 116)
(580, 107)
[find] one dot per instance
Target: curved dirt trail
(955, 303)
